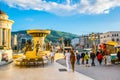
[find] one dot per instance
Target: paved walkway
(98, 72)
(49, 72)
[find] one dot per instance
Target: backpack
(99, 56)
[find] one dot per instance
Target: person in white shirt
(52, 54)
(67, 58)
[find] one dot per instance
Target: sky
(74, 16)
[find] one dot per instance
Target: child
(86, 57)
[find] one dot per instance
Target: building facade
(5, 35)
(110, 36)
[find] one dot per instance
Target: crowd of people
(73, 57)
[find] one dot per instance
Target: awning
(112, 43)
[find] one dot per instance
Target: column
(4, 37)
(1, 37)
(9, 38)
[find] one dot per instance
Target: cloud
(66, 7)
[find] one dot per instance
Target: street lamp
(93, 37)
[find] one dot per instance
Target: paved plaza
(49, 72)
(98, 72)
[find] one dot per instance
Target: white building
(110, 36)
(5, 37)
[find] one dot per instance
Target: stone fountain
(38, 36)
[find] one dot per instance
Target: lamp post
(93, 37)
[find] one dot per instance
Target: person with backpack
(99, 57)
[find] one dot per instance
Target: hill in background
(54, 36)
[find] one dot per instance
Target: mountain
(54, 36)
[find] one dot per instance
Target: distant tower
(5, 30)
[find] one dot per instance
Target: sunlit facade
(110, 36)
(5, 35)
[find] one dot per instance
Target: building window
(117, 39)
(113, 39)
(107, 35)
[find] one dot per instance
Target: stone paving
(49, 72)
(98, 72)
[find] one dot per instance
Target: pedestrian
(82, 56)
(108, 59)
(78, 57)
(67, 58)
(72, 59)
(87, 59)
(52, 54)
(92, 56)
(100, 57)
(105, 59)
(118, 54)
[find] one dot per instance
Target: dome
(1, 12)
(3, 15)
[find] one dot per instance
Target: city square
(59, 40)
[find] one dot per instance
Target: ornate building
(5, 34)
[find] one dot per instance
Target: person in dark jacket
(82, 56)
(78, 57)
(92, 56)
(118, 54)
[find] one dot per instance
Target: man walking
(78, 57)
(92, 56)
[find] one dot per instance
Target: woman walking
(67, 58)
(52, 54)
(72, 59)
